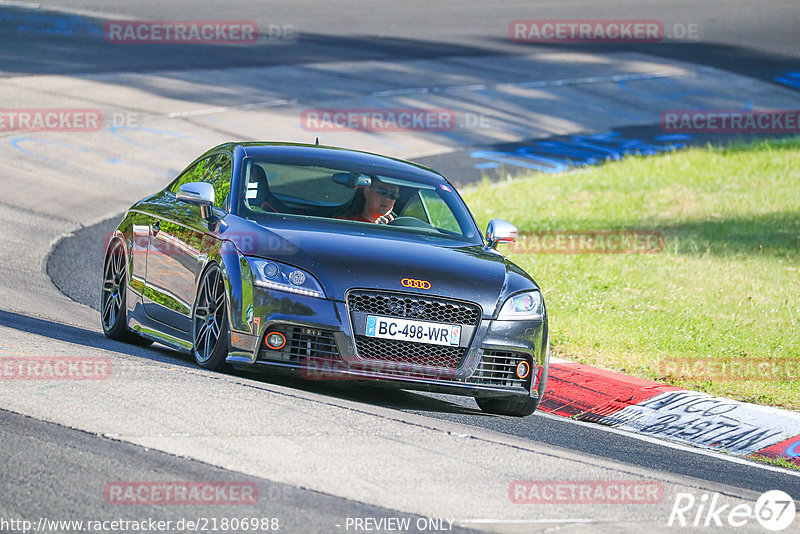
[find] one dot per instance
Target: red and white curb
(595, 395)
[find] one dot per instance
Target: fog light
(523, 369)
(275, 340)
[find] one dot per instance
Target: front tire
(113, 295)
(210, 321)
(513, 406)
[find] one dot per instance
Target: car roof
(320, 155)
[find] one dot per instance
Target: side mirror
(500, 231)
(352, 179)
(200, 194)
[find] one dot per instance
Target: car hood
(344, 255)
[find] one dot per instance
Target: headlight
(282, 277)
(527, 306)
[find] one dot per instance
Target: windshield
(395, 202)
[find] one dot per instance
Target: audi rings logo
(416, 284)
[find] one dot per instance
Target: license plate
(416, 331)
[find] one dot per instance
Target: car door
(140, 237)
(178, 241)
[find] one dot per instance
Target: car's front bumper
(321, 345)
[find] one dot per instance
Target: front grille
(302, 343)
(422, 354)
(497, 368)
(414, 307)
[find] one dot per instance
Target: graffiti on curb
(712, 422)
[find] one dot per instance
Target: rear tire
(113, 295)
(513, 406)
(210, 321)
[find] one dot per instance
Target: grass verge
(779, 462)
(717, 310)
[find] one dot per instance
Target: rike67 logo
(775, 510)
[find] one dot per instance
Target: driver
(379, 199)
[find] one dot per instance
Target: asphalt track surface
(63, 468)
(753, 38)
(60, 466)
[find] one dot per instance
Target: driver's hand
(384, 219)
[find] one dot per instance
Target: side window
(414, 208)
(215, 170)
(440, 214)
(219, 176)
(196, 173)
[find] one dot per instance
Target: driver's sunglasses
(394, 195)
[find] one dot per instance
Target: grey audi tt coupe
(332, 263)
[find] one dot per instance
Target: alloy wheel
(209, 315)
(113, 287)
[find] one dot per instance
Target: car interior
(330, 193)
(259, 198)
